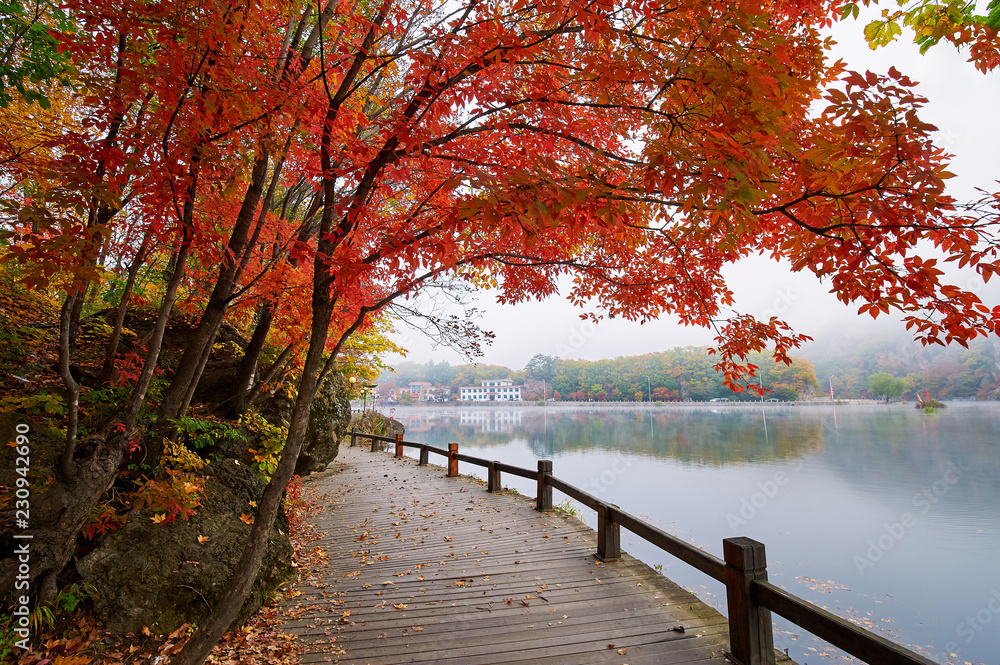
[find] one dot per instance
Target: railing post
(399, 445)
(493, 477)
(750, 635)
(543, 496)
(423, 455)
(375, 443)
(609, 534)
(452, 462)
(354, 437)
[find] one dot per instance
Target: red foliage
(637, 148)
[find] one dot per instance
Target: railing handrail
(750, 596)
(861, 643)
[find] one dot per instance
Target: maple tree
(306, 167)
(933, 20)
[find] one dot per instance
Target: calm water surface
(881, 514)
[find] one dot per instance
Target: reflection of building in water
(492, 421)
(418, 424)
(491, 390)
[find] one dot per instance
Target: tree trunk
(223, 615)
(259, 386)
(154, 446)
(66, 467)
(201, 643)
(203, 337)
(237, 402)
(60, 513)
(108, 367)
(206, 353)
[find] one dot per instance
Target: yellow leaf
(399, 606)
(246, 518)
(158, 518)
(202, 539)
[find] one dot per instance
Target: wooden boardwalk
(427, 569)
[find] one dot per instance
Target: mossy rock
(329, 418)
(164, 575)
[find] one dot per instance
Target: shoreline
(645, 406)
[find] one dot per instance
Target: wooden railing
(743, 568)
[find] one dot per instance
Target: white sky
(963, 105)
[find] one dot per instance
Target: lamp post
(831, 386)
(368, 390)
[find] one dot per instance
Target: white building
(491, 390)
(492, 421)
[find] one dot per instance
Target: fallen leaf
(202, 539)
(180, 631)
(246, 518)
(399, 606)
(158, 518)
(622, 652)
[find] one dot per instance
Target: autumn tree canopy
(298, 168)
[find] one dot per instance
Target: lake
(881, 514)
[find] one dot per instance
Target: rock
(329, 418)
(160, 576)
(45, 446)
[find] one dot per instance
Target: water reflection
(915, 496)
(715, 438)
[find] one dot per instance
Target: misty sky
(963, 105)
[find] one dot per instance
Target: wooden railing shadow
(750, 598)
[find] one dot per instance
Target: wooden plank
(500, 549)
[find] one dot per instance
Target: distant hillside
(944, 372)
(678, 374)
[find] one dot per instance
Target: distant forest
(687, 373)
(676, 375)
(944, 372)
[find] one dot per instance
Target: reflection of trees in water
(726, 437)
(873, 449)
(700, 437)
(900, 448)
